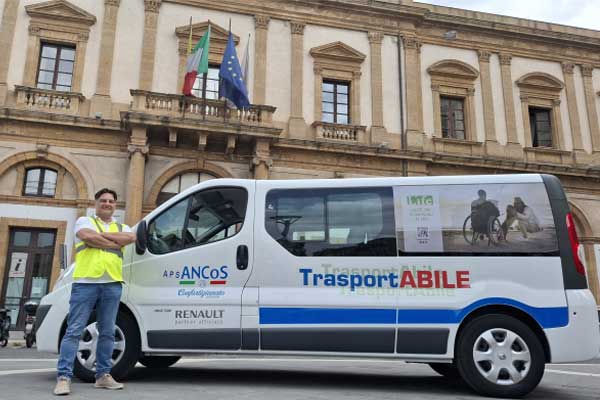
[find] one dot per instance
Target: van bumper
(47, 334)
(580, 339)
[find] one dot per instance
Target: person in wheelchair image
(483, 221)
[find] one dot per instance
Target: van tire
(131, 353)
(496, 328)
(447, 370)
(158, 361)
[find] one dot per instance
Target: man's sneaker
(107, 382)
(63, 387)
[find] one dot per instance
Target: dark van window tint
(486, 219)
(332, 222)
(204, 217)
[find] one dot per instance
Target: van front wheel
(500, 356)
(125, 354)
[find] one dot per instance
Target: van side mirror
(141, 242)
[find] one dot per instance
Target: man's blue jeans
(84, 296)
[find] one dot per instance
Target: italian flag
(197, 62)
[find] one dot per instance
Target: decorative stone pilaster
(151, 8)
(414, 107)
(261, 27)
(262, 162)
(101, 102)
(138, 150)
(491, 143)
(513, 148)
(378, 131)
(7, 34)
(572, 106)
(590, 103)
(297, 126)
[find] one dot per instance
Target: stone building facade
(90, 98)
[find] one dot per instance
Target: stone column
(558, 138)
(437, 114)
(138, 149)
(414, 102)
(261, 30)
(149, 43)
(513, 148)
(572, 106)
(469, 115)
(377, 129)
(526, 126)
(262, 159)
(7, 34)
(297, 126)
(491, 142)
(101, 102)
(33, 50)
(82, 40)
(590, 103)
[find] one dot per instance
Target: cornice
(436, 158)
(39, 117)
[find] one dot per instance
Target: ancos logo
(188, 275)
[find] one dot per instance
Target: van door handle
(241, 257)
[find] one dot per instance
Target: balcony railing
(340, 132)
(178, 106)
(31, 98)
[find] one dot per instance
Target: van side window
(475, 219)
(325, 222)
(204, 217)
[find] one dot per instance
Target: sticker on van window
(482, 218)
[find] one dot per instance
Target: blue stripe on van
(327, 316)
(547, 317)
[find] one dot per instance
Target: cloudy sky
(581, 13)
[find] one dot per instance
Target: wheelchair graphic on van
(483, 223)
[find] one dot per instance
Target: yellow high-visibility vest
(93, 263)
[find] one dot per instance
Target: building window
(212, 84)
(541, 127)
(55, 70)
(180, 183)
(453, 117)
(40, 182)
(336, 103)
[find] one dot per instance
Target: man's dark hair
(105, 190)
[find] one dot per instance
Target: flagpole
(205, 77)
(188, 54)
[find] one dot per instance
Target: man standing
(97, 283)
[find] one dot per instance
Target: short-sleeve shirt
(86, 223)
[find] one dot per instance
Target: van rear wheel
(158, 361)
(500, 356)
(125, 354)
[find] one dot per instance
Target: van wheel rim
(501, 356)
(86, 355)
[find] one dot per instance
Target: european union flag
(231, 81)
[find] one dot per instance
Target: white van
(477, 276)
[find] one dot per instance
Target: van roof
(408, 181)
